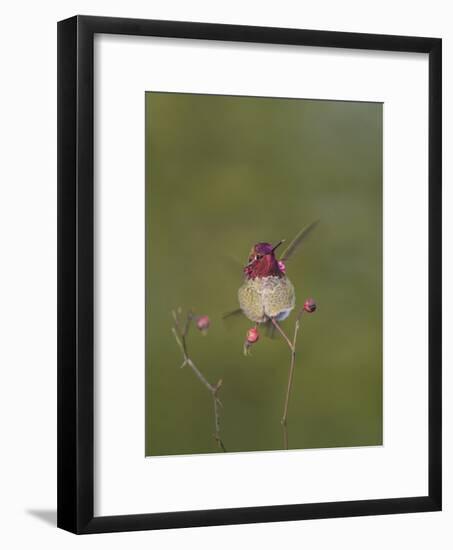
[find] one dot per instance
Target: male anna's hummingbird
(266, 292)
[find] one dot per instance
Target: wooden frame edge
(75, 274)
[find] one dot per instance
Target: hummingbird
(266, 292)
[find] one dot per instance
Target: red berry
(282, 266)
(203, 323)
(310, 305)
(253, 335)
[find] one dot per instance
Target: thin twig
(181, 339)
(292, 347)
(281, 331)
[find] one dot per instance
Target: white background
(125, 482)
(28, 275)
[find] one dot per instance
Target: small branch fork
(292, 347)
(180, 331)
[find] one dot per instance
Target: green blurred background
(222, 173)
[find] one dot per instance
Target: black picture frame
(76, 260)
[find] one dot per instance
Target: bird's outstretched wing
(294, 244)
(233, 313)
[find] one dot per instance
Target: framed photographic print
(249, 274)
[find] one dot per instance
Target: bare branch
(181, 339)
(292, 347)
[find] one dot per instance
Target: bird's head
(262, 261)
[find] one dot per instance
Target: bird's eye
(258, 257)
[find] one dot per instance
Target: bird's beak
(277, 245)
